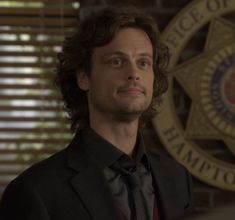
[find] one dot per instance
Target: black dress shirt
(108, 157)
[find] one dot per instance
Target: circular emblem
(217, 88)
(208, 81)
(228, 88)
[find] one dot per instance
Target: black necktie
(130, 172)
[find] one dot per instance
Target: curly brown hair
(98, 29)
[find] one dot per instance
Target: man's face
(121, 79)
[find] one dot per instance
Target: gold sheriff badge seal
(208, 79)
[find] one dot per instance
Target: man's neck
(122, 135)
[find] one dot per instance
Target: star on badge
(209, 80)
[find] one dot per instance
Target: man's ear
(83, 81)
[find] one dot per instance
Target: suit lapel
(169, 193)
(90, 185)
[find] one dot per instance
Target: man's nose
(133, 72)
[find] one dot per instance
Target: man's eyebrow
(146, 55)
(120, 53)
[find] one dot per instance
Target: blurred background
(33, 124)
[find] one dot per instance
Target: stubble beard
(122, 111)
(131, 113)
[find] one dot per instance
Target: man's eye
(116, 62)
(144, 63)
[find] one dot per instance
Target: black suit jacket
(70, 186)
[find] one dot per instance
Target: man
(111, 74)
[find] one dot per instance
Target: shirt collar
(105, 154)
(140, 154)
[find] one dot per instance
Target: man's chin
(130, 115)
(137, 109)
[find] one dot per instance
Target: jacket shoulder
(41, 173)
(166, 162)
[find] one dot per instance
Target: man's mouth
(131, 91)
